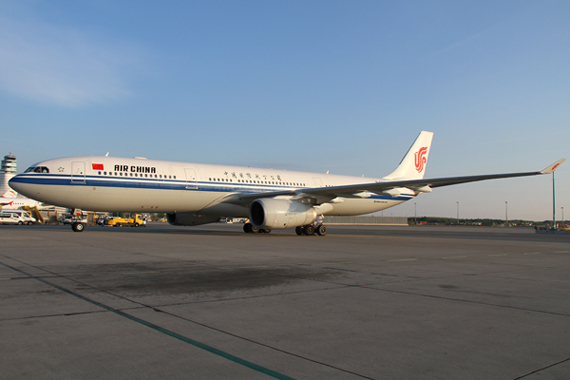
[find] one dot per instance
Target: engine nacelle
(280, 213)
(190, 219)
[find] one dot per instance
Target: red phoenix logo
(420, 159)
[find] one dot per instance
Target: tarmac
(210, 302)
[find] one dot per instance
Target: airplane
(194, 194)
(10, 199)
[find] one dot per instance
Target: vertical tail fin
(10, 194)
(413, 165)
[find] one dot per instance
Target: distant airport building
(367, 220)
(7, 171)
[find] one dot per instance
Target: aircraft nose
(17, 184)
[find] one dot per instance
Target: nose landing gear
(78, 226)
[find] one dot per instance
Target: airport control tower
(7, 171)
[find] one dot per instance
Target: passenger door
(191, 180)
(78, 172)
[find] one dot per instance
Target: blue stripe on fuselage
(161, 184)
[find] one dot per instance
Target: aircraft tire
(321, 230)
(265, 230)
(78, 227)
(309, 230)
(255, 229)
(247, 228)
(299, 231)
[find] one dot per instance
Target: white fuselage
(139, 185)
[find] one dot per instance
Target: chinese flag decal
(97, 166)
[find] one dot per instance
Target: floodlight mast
(553, 202)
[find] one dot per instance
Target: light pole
(563, 224)
(506, 213)
(416, 214)
(457, 213)
(553, 202)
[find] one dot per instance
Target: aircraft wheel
(299, 231)
(254, 229)
(309, 230)
(247, 228)
(78, 227)
(265, 230)
(321, 230)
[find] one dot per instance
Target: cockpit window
(37, 169)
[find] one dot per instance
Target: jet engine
(280, 213)
(190, 219)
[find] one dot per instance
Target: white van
(16, 217)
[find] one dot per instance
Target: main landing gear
(249, 228)
(311, 230)
(308, 230)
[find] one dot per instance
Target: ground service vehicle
(16, 217)
(134, 221)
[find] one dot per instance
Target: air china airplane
(194, 194)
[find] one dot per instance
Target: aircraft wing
(325, 194)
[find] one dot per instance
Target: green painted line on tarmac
(162, 330)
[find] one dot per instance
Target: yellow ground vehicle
(134, 221)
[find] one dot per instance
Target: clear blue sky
(343, 86)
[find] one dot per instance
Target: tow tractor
(134, 221)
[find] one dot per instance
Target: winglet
(552, 167)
